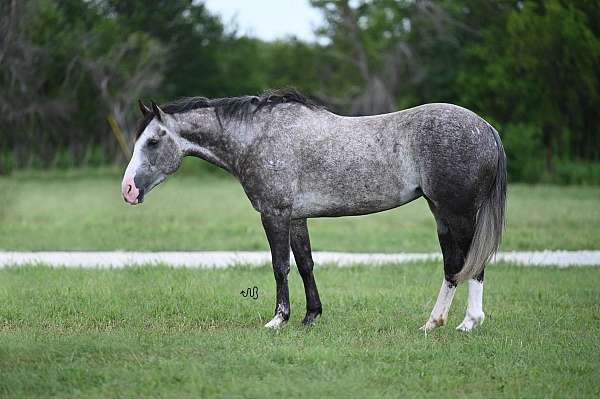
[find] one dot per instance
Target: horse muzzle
(131, 193)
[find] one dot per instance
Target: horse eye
(152, 142)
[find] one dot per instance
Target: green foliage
(71, 67)
(524, 152)
(531, 67)
(193, 38)
(7, 162)
(540, 67)
(585, 173)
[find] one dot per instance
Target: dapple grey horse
(296, 160)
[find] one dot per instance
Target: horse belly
(354, 173)
(348, 197)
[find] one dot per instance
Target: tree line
(530, 67)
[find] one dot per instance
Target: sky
(269, 19)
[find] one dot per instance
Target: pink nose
(130, 191)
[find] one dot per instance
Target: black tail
(490, 221)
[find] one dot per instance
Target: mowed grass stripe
(212, 213)
(164, 332)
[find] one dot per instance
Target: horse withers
(296, 160)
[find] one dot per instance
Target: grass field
(160, 332)
(83, 212)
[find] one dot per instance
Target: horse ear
(145, 110)
(158, 113)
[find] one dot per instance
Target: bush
(570, 172)
(7, 162)
(525, 157)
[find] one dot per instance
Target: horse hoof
(432, 324)
(310, 318)
(276, 322)
(470, 322)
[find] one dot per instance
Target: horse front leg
(277, 228)
(302, 253)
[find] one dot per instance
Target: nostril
(128, 188)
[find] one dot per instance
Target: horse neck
(220, 142)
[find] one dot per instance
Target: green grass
(75, 211)
(161, 332)
(183, 333)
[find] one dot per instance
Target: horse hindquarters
(463, 177)
(469, 211)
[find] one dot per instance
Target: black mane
(240, 107)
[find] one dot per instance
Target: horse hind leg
(455, 233)
(439, 314)
(474, 314)
(462, 229)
